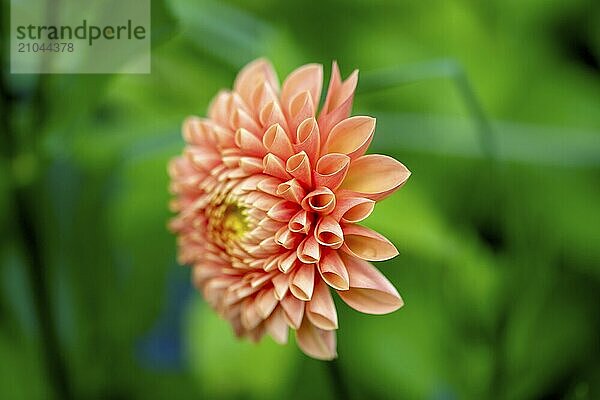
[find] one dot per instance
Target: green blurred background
(493, 105)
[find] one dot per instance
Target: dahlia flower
(268, 196)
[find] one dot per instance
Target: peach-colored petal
(276, 141)
(249, 314)
(251, 165)
(309, 251)
(306, 78)
(370, 292)
(218, 110)
(301, 108)
(367, 244)
(261, 96)
(252, 75)
(302, 282)
(291, 190)
(375, 176)
(198, 132)
(353, 209)
(321, 309)
(277, 326)
(249, 144)
(271, 114)
(308, 139)
(287, 239)
(283, 210)
(281, 286)
(204, 160)
(338, 102)
(286, 262)
(351, 136)
(240, 119)
(333, 271)
(316, 342)
(274, 166)
(294, 310)
(328, 232)
(266, 302)
(331, 169)
(298, 166)
(321, 200)
(300, 222)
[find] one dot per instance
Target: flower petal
(277, 326)
(320, 310)
(252, 75)
(302, 282)
(367, 244)
(316, 342)
(309, 251)
(331, 169)
(249, 144)
(351, 136)
(298, 166)
(375, 176)
(353, 209)
(274, 166)
(320, 200)
(333, 271)
(308, 139)
(338, 102)
(294, 310)
(291, 190)
(370, 292)
(328, 233)
(276, 141)
(306, 78)
(300, 222)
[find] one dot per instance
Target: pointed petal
(298, 166)
(353, 209)
(300, 222)
(271, 114)
(283, 211)
(367, 244)
(331, 169)
(338, 103)
(266, 302)
(294, 310)
(306, 78)
(281, 286)
(316, 342)
(375, 176)
(329, 233)
(333, 271)
(351, 136)
(302, 282)
(251, 75)
(277, 326)
(320, 310)
(308, 139)
(291, 190)
(276, 141)
(274, 166)
(370, 292)
(309, 251)
(249, 144)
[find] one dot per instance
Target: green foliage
(499, 261)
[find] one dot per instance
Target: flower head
(268, 196)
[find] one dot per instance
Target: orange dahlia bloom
(268, 199)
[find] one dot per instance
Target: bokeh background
(494, 106)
